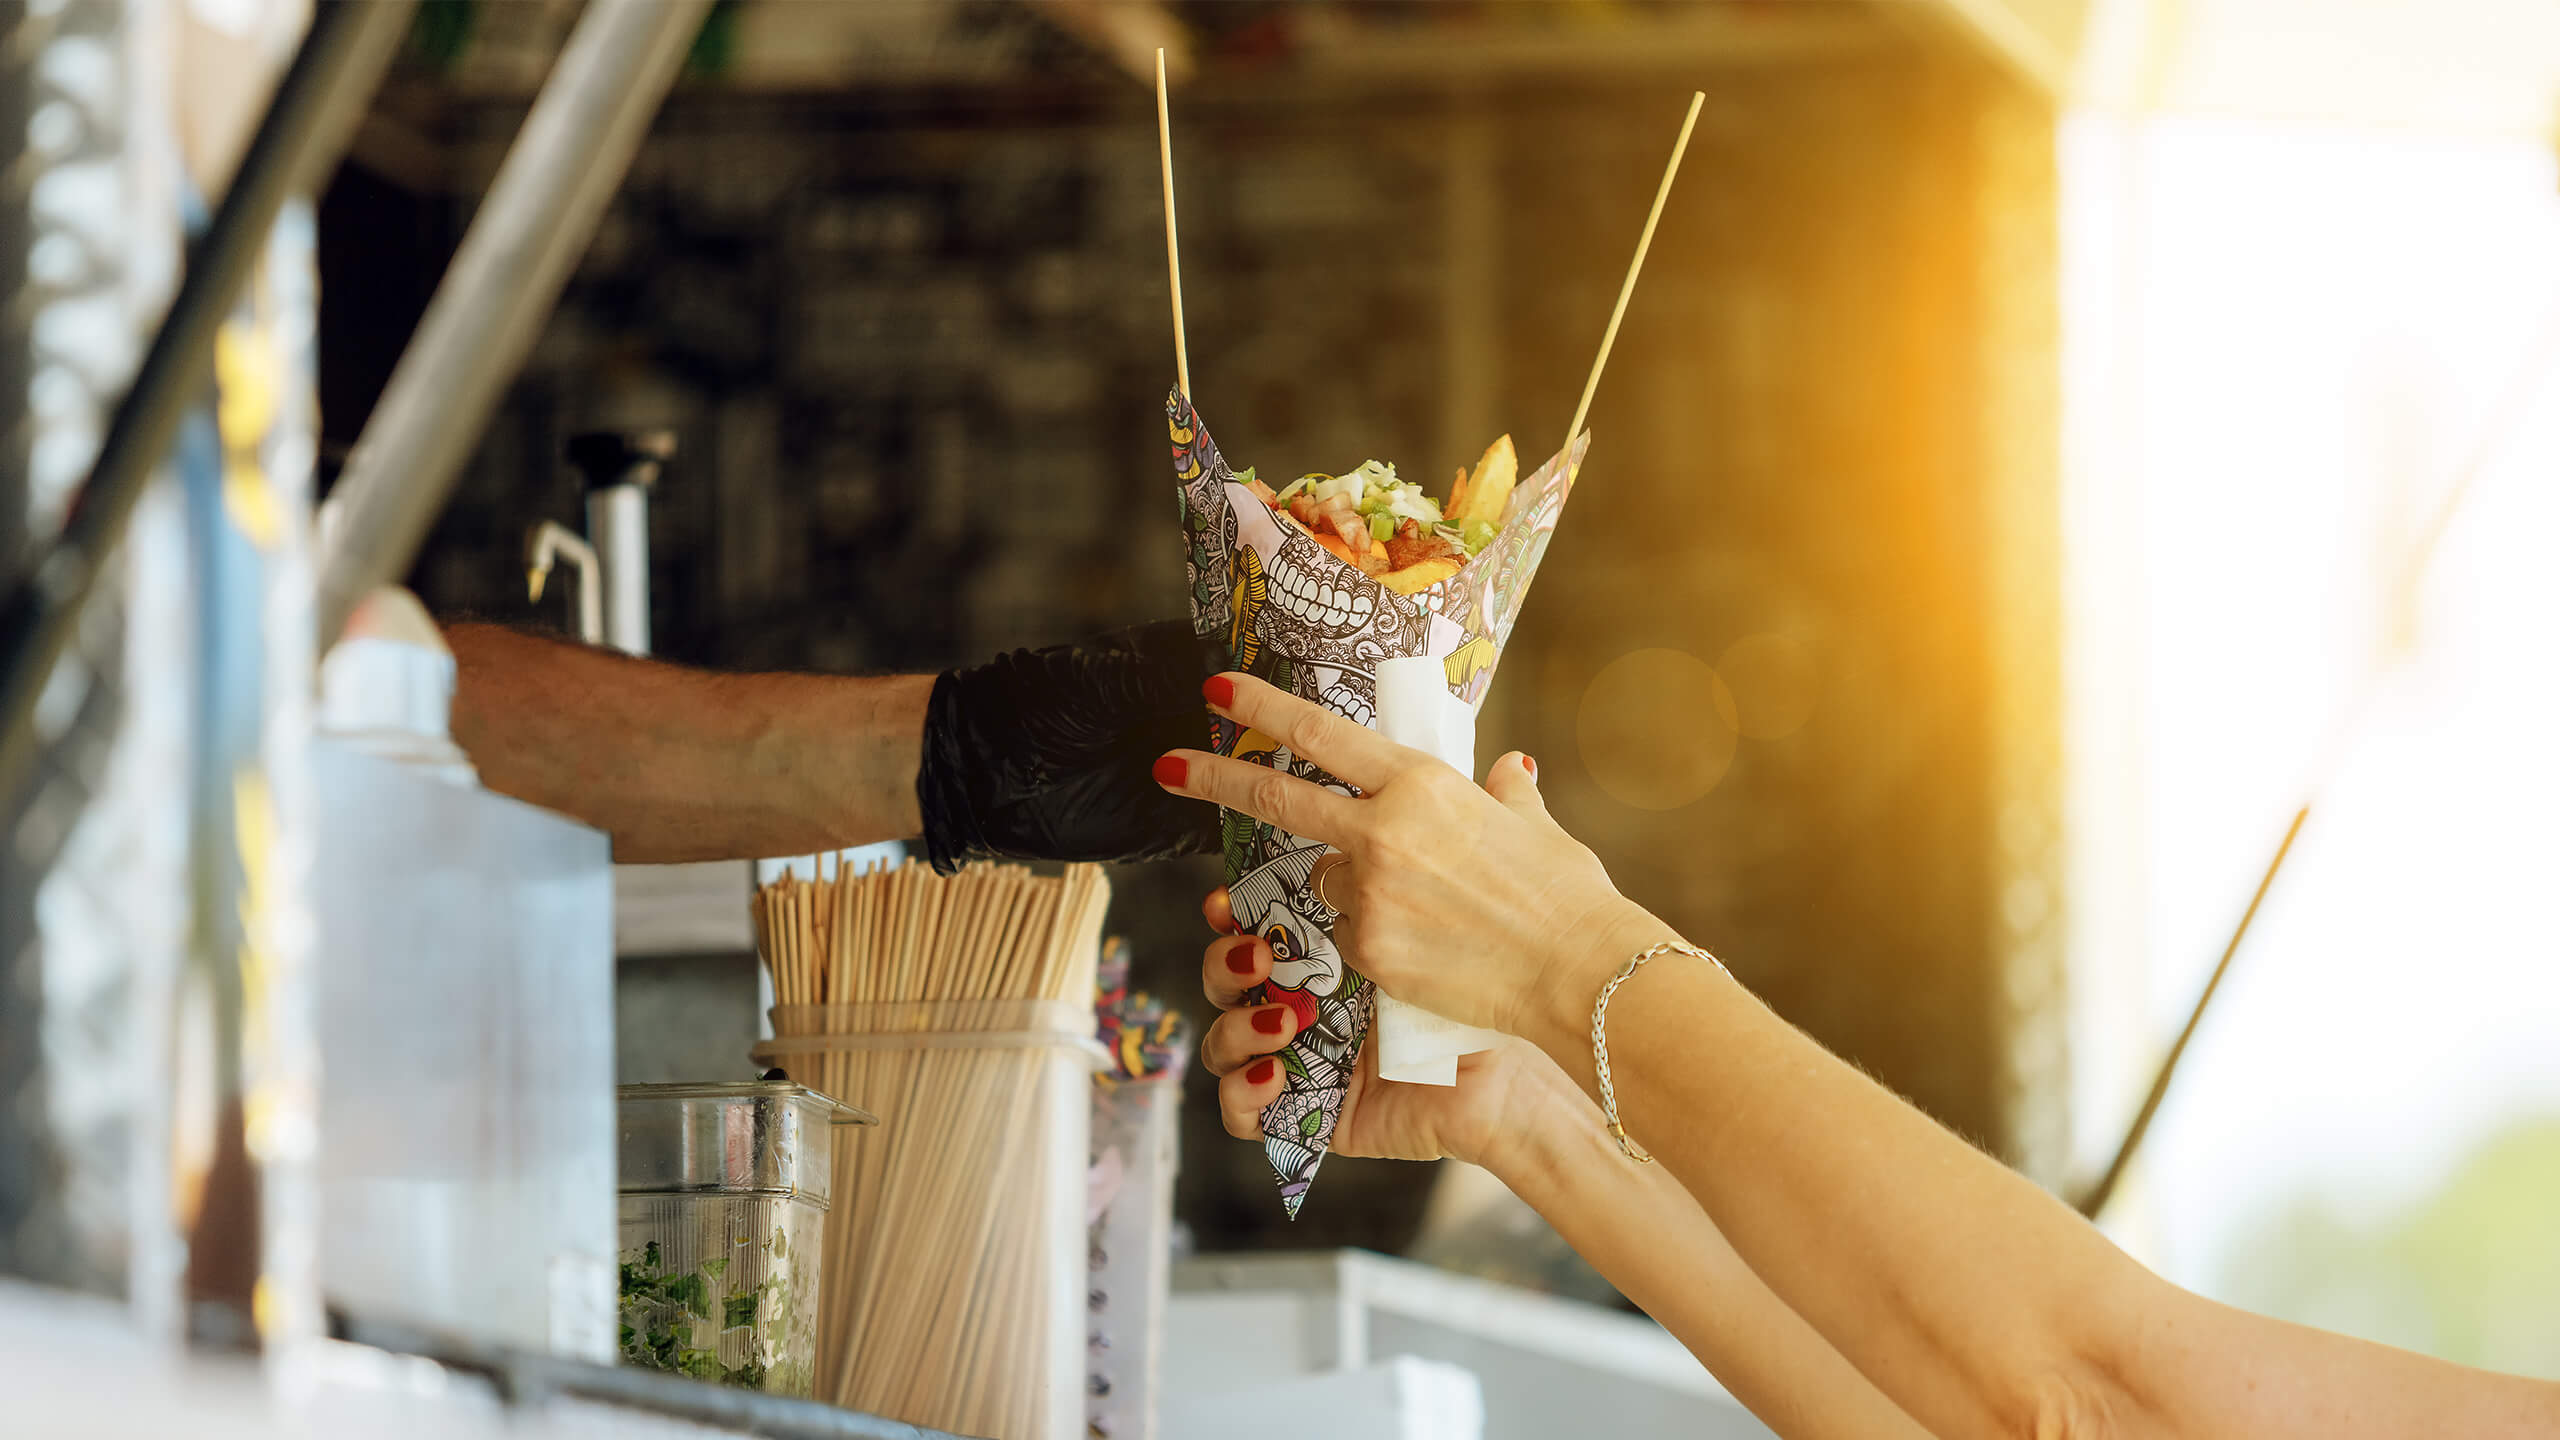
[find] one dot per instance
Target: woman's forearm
(678, 764)
(1961, 1289)
(1978, 1302)
(1648, 1237)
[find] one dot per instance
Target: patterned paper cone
(1292, 613)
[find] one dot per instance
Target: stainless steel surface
(536, 220)
(79, 1367)
(765, 1137)
(467, 1124)
(89, 940)
(618, 523)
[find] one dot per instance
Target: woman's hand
(1501, 1093)
(1454, 898)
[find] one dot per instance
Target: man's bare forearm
(1648, 1237)
(678, 764)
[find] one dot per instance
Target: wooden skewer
(1635, 267)
(1172, 246)
(845, 963)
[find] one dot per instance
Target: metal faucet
(544, 544)
(613, 560)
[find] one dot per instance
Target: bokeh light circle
(1773, 683)
(1656, 729)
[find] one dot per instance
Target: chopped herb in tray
(672, 1322)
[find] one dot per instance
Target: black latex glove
(1049, 754)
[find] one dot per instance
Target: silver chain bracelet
(1600, 1037)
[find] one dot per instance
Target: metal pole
(316, 106)
(539, 214)
(618, 518)
(2095, 1200)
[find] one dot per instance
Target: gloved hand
(1048, 754)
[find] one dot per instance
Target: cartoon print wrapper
(1290, 612)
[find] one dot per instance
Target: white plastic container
(465, 978)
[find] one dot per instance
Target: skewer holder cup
(957, 1285)
(1137, 1137)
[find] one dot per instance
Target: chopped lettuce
(1385, 502)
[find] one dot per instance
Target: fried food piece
(1489, 488)
(1372, 561)
(1332, 518)
(1346, 522)
(1412, 545)
(1414, 579)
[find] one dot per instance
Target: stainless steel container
(725, 1191)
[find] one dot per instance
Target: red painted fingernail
(1220, 690)
(1240, 957)
(1530, 764)
(1171, 771)
(1260, 1074)
(1269, 1021)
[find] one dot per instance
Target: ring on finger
(1324, 885)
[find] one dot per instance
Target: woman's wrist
(1537, 1133)
(1584, 958)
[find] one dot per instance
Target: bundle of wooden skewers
(958, 1009)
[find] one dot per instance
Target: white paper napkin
(1416, 709)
